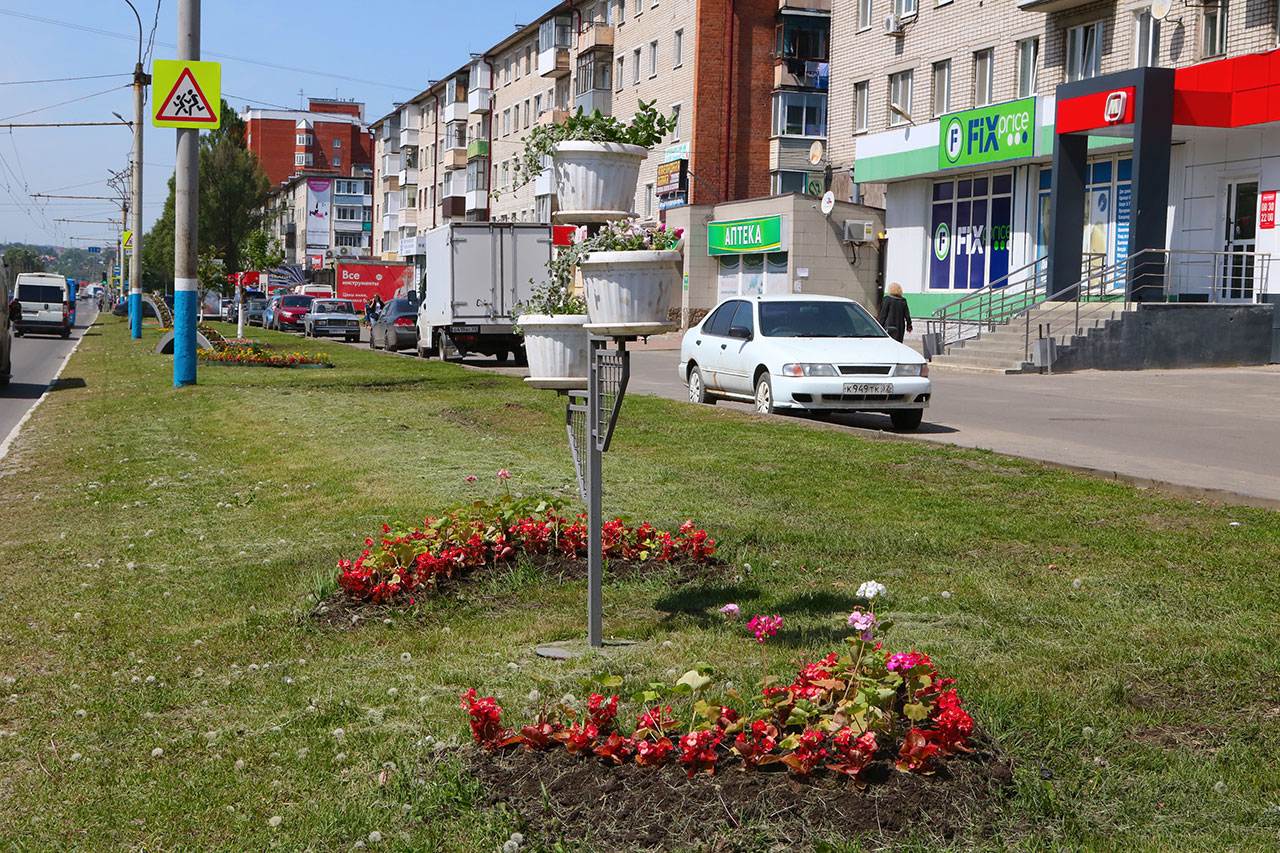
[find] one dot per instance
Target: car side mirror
(740, 332)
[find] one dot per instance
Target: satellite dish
(1160, 9)
(815, 152)
(828, 202)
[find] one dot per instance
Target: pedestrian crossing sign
(186, 94)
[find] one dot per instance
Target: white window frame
(861, 106)
(1084, 51)
(1213, 42)
(906, 9)
(818, 100)
(984, 77)
(1146, 38)
(866, 8)
(635, 72)
(896, 80)
(941, 67)
(1028, 46)
(620, 76)
(677, 49)
(653, 59)
(675, 113)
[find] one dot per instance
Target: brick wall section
(274, 141)
(958, 28)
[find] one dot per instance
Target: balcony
(477, 148)
(455, 188)
(347, 226)
(799, 73)
(553, 62)
(408, 136)
(477, 199)
(408, 175)
(454, 156)
(453, 207)
(390, 221)
(550, 117)
(390, 165)
(594, 99)
(455, 110)
(544, 184)
(597, 35)
(479, 101)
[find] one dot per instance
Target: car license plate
(464, 330)
(867, 388)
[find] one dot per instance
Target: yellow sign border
(165, 74)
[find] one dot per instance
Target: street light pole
(140, 80)
(186, 216)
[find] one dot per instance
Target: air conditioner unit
(344, 250)
(859, 230)
(892, 25)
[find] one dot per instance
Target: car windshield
(258, 303)
(816, 319)
(296, 301)
(41, 293)
(333, 308)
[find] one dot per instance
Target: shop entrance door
(1235, 281)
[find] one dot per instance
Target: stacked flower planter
(627, 293)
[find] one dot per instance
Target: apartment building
(318, 218)
(328, 137)
(950, 112)
(529, 77)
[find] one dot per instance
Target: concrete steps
(1006, 348)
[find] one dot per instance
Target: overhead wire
(61, 79)
(63, 103)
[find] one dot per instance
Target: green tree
(261, 252)
(23, 259)
(233, 191)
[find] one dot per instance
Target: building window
(528, 60)
(622, 11)
(983, 77)
(537, 105)
(900, 91)
(337, 161)
(653, 59)
(941, 87)
(783, 182)
(637, 6)
(864, 15)
(1213, 29)
(799, 114)
(527, 117)
(1146, 39)
(1084, 51)
(635, 71)
(970, 222)
(593, 72)
(675, 116)
(302, 159)
(861, 106)
(905, 8)
(620, 76)
(648, 199)
(1028, 62)
(803, 39)
(337, 143)
(677, 49)
(304, 139)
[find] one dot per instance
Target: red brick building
(330, 136)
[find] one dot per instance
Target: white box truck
(476, 274)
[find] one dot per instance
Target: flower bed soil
(338, 609)
(558, 797)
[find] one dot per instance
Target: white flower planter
(556, 346)
(631, 293)
(596, 181)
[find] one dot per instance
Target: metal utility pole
(186, 216)
(140, 80)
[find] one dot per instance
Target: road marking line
(13, 433)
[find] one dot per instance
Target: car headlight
(809, 370)
(911, 370)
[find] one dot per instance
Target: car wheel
(698, 387)
(906, 420)
(65, 334)
(764, 394)
(392, 343)
(500, 357)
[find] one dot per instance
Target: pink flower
(863, 623)
(504, 474)
(764, 626)
(730, 611)
(471, 478)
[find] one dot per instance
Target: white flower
(239, 764)
(75, 756)
(946, 593)
(1077, 583)
(253, 667)
(534, 695)
(386, 621)
(393, 692)
(405, 657)
(303, 753)
(375, 837)
(274, 821)
(871, 589)
(75, 615)
(339, 758)
(339, 734)
(1219, 787)
(1234, 524)
(198, 672)
(157, 752)
(211, 736)
(81, 713)
(1087, 731)
(287, 680)
(151, 679)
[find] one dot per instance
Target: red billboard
(360, 280)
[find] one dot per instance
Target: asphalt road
(1212, 430)
(36, 359)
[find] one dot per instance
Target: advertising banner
(360, 280)
(1267, 210)
(319, 207)
(745, 236)
(673, 177)
(988, 134)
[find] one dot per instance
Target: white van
(319, 291)
(45, 302)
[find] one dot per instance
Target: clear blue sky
(386, 50)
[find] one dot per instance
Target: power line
(68, 124)
(63, 103)
(206, 53)
(258, 101)
(151, 39)
(61, 79)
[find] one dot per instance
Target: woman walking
(894, 314)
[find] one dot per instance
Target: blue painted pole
(72, 286)
(135, 314)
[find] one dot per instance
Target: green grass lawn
(162, 544)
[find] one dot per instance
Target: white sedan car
(806, 353)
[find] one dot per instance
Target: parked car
(396, 328)
(291, 311)
(46, 304)
(269, 313)
(804, 353)
(332, 317)
(6, 336)
(254, 311)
